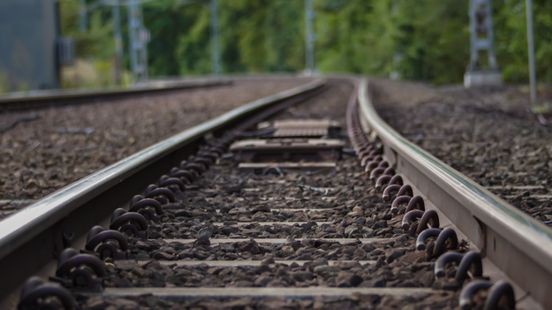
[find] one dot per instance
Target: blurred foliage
(94, 48)
(420, 40)
(7, 86)
(511, 38)
(4, 83)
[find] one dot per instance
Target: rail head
(522, 240)
(48, 98)
(34, 219)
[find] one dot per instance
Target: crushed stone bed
(488, 134)
(223, 195)
(60, 145)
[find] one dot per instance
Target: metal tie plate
(293, 144)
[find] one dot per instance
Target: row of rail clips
(453, 263)
(84, 271)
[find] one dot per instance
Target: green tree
(420, 40)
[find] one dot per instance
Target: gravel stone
(63, 144)
(270, 197)
(488, 134)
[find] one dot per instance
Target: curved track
(385, 233)
(44, 98)
(508, 237)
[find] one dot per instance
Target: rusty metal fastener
(501, 290)
(371, 165)
(467, 262)
(375, 153)
(430, 219)
(374, 174)
(469, 291)
(106, 243)
(205, 161)
(161, 194)
(37, 294)
(471, 262)
(363, 144)
(424, 235)
(364, 159)
(389, 171)
(184, 175)
(195, 166)
(80, 270)
(410, 217)
(416, 202)
(218, 150)
(399, 201)
(382, 181)
(406, 190)
(129, 223)
(184, 166)
(172, 182)
(205, 156)
(140, 203)
(390, 191)
(445, 259)
(447, 240)
(364, 150)
(367, 159)
(396, 180)
(206, 153)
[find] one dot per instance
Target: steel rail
(516, 243)
(36, 234)
(49, 98)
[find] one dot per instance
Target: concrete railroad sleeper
(499, 235)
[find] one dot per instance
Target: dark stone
(395, 254)
(162, 255)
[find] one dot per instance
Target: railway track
(463, 132)
(43, 150)
(320, 206)
(45, 98)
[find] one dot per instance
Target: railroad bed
(233, 227)
(43, 150)
(468, 129)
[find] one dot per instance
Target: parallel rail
(517, 244)
(513, 241)
(45, 98)
(37, 234)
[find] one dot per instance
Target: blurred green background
(424, 40)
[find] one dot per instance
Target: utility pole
(309, 40)
(82, 12)
(531, 51)
(481, 41)
(138, 41)
(215, 48)
(116, 10)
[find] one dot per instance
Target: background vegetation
(420, 40)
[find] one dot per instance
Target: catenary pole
(309, 40)
(215, 47)
(83, 16)
(531, 51)
(118, 40)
